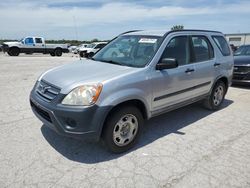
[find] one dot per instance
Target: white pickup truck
(31, 45)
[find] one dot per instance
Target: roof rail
(129, 32)
(194, 30)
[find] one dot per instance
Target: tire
(216, 98)
(52, 54)
(122, 129)
(9, 53)
(91, 54)
(82, 54)
(58, 52)
(14, 51)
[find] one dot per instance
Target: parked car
(72, 49)
(30, 45)
(1, 47)
(109, 97)
(91, 49)
(241, 73)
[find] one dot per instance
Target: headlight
(85, 95)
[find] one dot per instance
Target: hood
(85, 49)
(82, 72)
(242, 60)
(12, 43)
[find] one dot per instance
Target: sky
(104, 19)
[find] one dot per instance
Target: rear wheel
(122, 129)
(58, 52)
(216, 97)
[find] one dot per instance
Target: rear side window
(39, 40)
(201, 49)
(222, 45)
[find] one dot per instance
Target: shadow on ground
(155, 128)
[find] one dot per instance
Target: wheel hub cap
(218, 95)
(125, 130)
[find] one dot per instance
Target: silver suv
(153, 72)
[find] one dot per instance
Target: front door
(172, 86)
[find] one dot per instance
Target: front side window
(222, 45)
(202, 49)
(130, 50)
(178, 49)
(29, 41)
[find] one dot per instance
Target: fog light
(70, 123)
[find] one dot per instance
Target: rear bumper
(79, 122)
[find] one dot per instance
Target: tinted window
(222, 45)
(202, 49)
(39, 40)
(178, 49)
(29, 41)
(243, 50)
(100, 45)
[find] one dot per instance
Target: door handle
(189, 70)
(217, 64)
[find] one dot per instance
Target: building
(238, 39)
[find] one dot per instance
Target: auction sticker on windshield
(147, 40)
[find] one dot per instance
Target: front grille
(238, 77)
(47, 91)
(41, 112)
(241, 69)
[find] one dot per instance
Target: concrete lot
(189, 147)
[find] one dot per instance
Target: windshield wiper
(112, 62)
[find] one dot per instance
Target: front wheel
(122, 129)
(52, 54)
(216, 98)
(14, 51)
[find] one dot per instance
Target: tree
(177, 27)
(94, 40)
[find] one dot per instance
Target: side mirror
(167, 63)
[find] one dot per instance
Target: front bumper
(5, 48)
(241, 77)
(79, 122)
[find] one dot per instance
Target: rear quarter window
(222, 45)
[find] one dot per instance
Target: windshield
(243, 50)
(134, 51)
(90, 46)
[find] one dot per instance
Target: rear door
(203, 59)
(39, 46)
